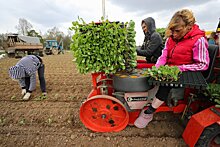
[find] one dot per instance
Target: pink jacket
(200, 57)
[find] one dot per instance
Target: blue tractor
(53, 47)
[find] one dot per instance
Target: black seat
(209, 73)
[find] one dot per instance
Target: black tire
(41, 54)
(47, 51)
(11, 55)
(135, 82)
(19, 54)
(54, 51)
(29, 52)
(210, 137)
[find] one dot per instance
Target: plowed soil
(54, 121)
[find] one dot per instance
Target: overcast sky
(46, 14)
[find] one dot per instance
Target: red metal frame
(196, 124)
(97, 79)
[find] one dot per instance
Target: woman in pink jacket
(186, 48)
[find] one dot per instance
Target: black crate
(187, 79)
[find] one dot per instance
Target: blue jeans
(41, 78)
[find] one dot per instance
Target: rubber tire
(41, 54)
(128, 84)
(11, 55)
(54, 51)
(207, 135)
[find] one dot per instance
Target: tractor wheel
(19, 54)
(29, 52)
(103, 113)
(210, 137)
(11, 55)
(134, 82)
(54, 51)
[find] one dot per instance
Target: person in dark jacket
(25, 72)
(153, 44)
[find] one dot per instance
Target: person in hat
(153, 43)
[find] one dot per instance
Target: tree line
(25, 28)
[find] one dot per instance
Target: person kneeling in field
(25, 72)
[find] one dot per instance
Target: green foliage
(33, 33)
(213, 92)
(104, 47)
(41, 97)
(162, 31)
(164, 73)
(22, 121)
(13, 97)
(66, 42)
(49, 121)
(130, 53)
(2, 121)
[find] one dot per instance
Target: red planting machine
(116, 101)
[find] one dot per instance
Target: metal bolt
(103, 116)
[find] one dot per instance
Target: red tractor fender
(198, 122)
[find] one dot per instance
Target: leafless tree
(24, 26)
(54, 33)
(3, 40)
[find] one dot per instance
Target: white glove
(27, 96)
(23, 92)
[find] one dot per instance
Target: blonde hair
(184, 15)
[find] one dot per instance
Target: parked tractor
(117, 99)
(18, 46)
(53, 47)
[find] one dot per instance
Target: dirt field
(54, 121)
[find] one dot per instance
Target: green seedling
(13, 97)
(164, 73)
(72, 97)
(41, 97)
(22, 121)
(213, 92)
(49, 121)
(105, 47)
(2, 121)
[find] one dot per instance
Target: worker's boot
(143, 119)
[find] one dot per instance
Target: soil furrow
(55, 122)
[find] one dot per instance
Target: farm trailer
(18, 46)
(116, 101)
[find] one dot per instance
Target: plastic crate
(187, 79)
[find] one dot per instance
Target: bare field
(54, 121)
